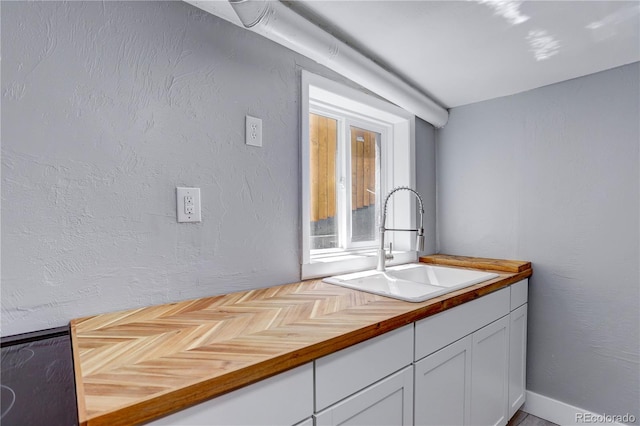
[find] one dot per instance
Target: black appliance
(37, 381)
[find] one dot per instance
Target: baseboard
(563, 414)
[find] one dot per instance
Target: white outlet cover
(189, 213)
(253, 131)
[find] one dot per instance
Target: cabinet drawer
(519, 293)
(347, 371)
(446, 327)
(284, 399)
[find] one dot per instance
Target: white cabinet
(442, 393)
(490, 374)
(466, 382)
(519, 293)
(388, 402)
(345, 372)
(285, 399)
(444, 328)
(518, 346)
(370, 383)
(517, 358)
(471, 361)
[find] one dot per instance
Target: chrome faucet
(382, 254)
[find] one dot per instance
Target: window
(355, 149)
(344, 169)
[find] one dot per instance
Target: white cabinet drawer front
(347, 371)
(386, 403)
(285, 399)
(446, 327)
(519, 293)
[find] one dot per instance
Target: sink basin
(414, 282)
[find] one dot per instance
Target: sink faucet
(382, 254)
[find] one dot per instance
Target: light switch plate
(188, 204)
(253, 131)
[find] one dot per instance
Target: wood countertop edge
(164, 404)
(77, 372)
(477, 262)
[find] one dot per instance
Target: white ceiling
(460, 52)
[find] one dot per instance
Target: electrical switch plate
(253, 131)
(188, 204)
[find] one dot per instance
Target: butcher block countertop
(137, 365)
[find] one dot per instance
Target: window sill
(327, 265)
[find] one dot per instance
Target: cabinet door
(517, 358)
(489, 374)
(442, 390)
(388, 402)
(284, 399)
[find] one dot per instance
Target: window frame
(346, 120)
(397, 129)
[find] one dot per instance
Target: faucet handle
(390, 255)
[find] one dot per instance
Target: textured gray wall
(552, 176)
(106, 108)
(426, 180)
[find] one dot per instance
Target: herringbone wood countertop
(137, 365)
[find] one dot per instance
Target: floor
(525, 419)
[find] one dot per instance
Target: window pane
(365, 178)
(323, 144)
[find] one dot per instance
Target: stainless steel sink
(413, 282)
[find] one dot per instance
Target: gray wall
(552, 176)
(426, 180)
(106, 108)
